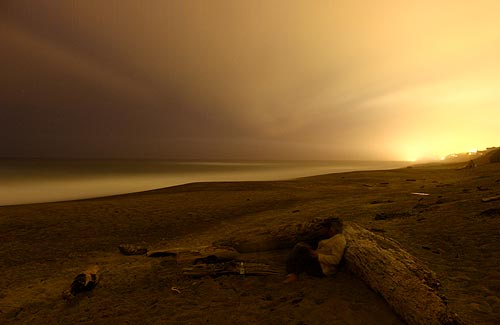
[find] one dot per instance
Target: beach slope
(438, 214)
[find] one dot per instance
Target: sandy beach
(161, 159)
(451, 230)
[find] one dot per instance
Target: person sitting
(324, 260)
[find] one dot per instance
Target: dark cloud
(226, 79)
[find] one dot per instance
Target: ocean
(24, 181)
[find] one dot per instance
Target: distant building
(469, 155)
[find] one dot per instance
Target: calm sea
(38, 180)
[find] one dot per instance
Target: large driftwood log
(266, 239)
(407, 284)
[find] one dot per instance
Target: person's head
(333, 226)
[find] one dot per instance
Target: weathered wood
(266, 239)
(233, 267)
(194, 255)
(406, 284)
(85, 281)
(490, 199)
(127, 249)
(214, 261)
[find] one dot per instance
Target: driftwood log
(267, 239)
(409, 286)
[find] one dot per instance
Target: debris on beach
(83, 282)
(194, 255)
(495, 212)
(492, 198)
(175, 289)
(127, 249)
(214, 261)
(230, 268)
(391, 215)
(381, 201)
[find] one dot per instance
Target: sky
(305, 80)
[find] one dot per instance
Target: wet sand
(451, 230)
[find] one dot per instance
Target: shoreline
(47, 243)
(83, 182)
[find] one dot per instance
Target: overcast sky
(380, 79)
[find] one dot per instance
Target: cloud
(333, 79)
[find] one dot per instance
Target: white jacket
(330, 252)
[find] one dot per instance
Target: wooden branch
(234, 267)
(490, 199)
(194, 255)
(406, 284)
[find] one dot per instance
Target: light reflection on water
(31, 181)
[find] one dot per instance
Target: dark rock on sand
(391, 215)
(85, 281)
(381, 201)
(495, 212)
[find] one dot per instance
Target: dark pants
(300, 260)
